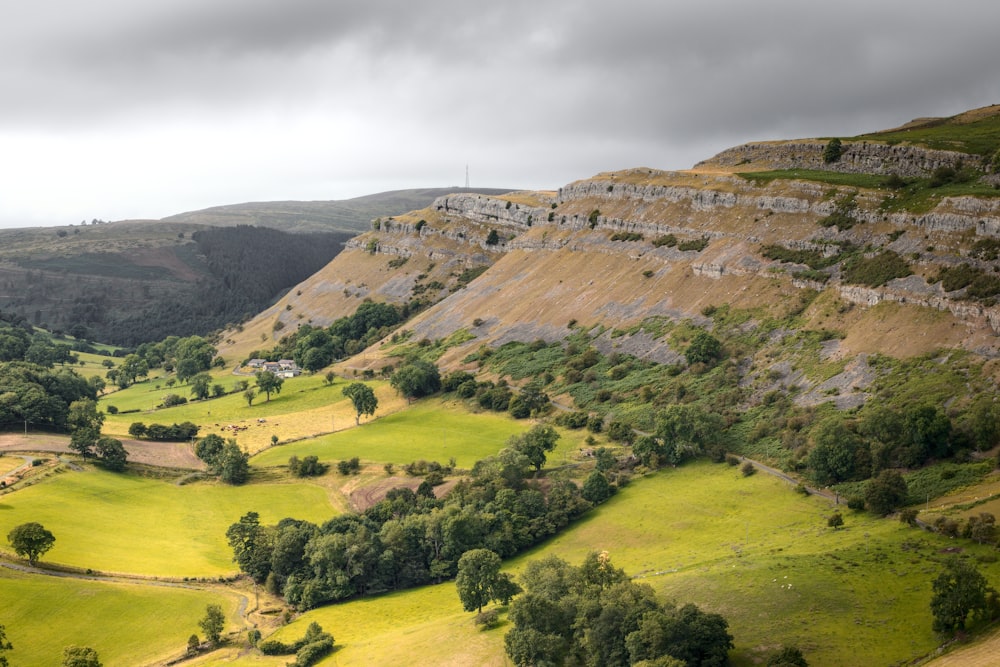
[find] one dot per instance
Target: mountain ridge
(609, 252)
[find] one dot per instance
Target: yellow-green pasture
(10, 461)
(432, 429)
(125, 523)
(126, 623)
(304, 408)
(749, 548)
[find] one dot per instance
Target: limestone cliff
(614, 250)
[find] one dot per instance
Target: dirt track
(164, 454)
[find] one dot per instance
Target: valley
(835, 321)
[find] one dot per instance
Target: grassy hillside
(346, 215)
(749, 548)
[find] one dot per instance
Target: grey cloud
(534, 93)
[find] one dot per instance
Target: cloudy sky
(119, 109)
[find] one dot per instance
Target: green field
(749, 548)
(127, 624)
(304, 408)
(431, 429)
(126, 523)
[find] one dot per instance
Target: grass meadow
(127, 624)
(749, 548)
(130, 524)
(304, 408)
(431, 429)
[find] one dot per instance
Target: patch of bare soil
(162, 454)
(364, 497)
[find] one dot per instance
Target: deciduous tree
(31, 540)
(363, 399)
(112, 453)
(480, 581)
(960, 590)
(535, 443)
(269, 383)
(213, 623)
(416, 379)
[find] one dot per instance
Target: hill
(135, 281)
(345, 215)
(770, 228)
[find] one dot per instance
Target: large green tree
(480, 581)
(31, 540)
(363, 399)
(129, 370)
(252, 546)
(535, 443)
(269, 383)
(111, 453)
(886, 492)
(84, 423)
(416, 378)
(960, 590)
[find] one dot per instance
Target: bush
(489, 619)
(836, 520)
(349, 467)
(833, 150)
(856, 503)
(275, 647)
(171, 400)
(876, 271)
(748, 469)
(620, 431)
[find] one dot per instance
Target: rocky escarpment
(622, 246)
(649, 211)
(859, 157)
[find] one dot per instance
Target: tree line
(409, 538)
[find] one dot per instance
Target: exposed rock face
(858, 157)
(679, 208)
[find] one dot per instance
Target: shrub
(592, 218)
(748, 469)
(489, 619)
(856, 503)
(694, 244)
(171, 400)
(349, 467)
(833, 150)
(620, 431)
(836, 520)
(876, 271)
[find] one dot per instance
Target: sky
(116, 109)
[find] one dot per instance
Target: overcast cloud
(119, 109)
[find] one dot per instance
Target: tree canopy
(416, 379)
(31, 540)
(959, 590)
(363, 399)
(479, 580)
(594, 614)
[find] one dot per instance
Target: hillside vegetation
(129, 282)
